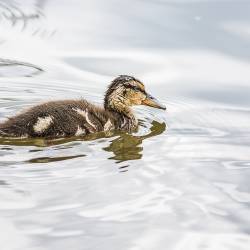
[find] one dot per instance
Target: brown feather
(79, 117)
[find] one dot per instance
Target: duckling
(79, 117)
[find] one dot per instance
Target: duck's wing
(51, 119)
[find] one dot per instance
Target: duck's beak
(153, 102)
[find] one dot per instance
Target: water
(182, 181)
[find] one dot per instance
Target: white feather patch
(80, 131)
(108, 125)
(42, 124)
(85, 114)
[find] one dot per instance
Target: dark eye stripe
(137, 89)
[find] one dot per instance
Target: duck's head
(126, 91)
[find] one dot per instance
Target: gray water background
(182, 181)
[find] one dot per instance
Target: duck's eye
(137, 89)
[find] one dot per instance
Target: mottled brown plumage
(79, 117)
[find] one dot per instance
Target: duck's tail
(8, 129)
(5, 130)
(2, 133)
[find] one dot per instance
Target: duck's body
(79, 117)
(65, 118)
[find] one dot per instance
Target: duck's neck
(122, 110)
(127, 118)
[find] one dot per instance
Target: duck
(67, 118)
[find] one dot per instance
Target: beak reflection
(153, 102)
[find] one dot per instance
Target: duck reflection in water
(124, 146)
(129, 147)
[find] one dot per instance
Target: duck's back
(58, 119)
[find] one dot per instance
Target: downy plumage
(79, 117)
